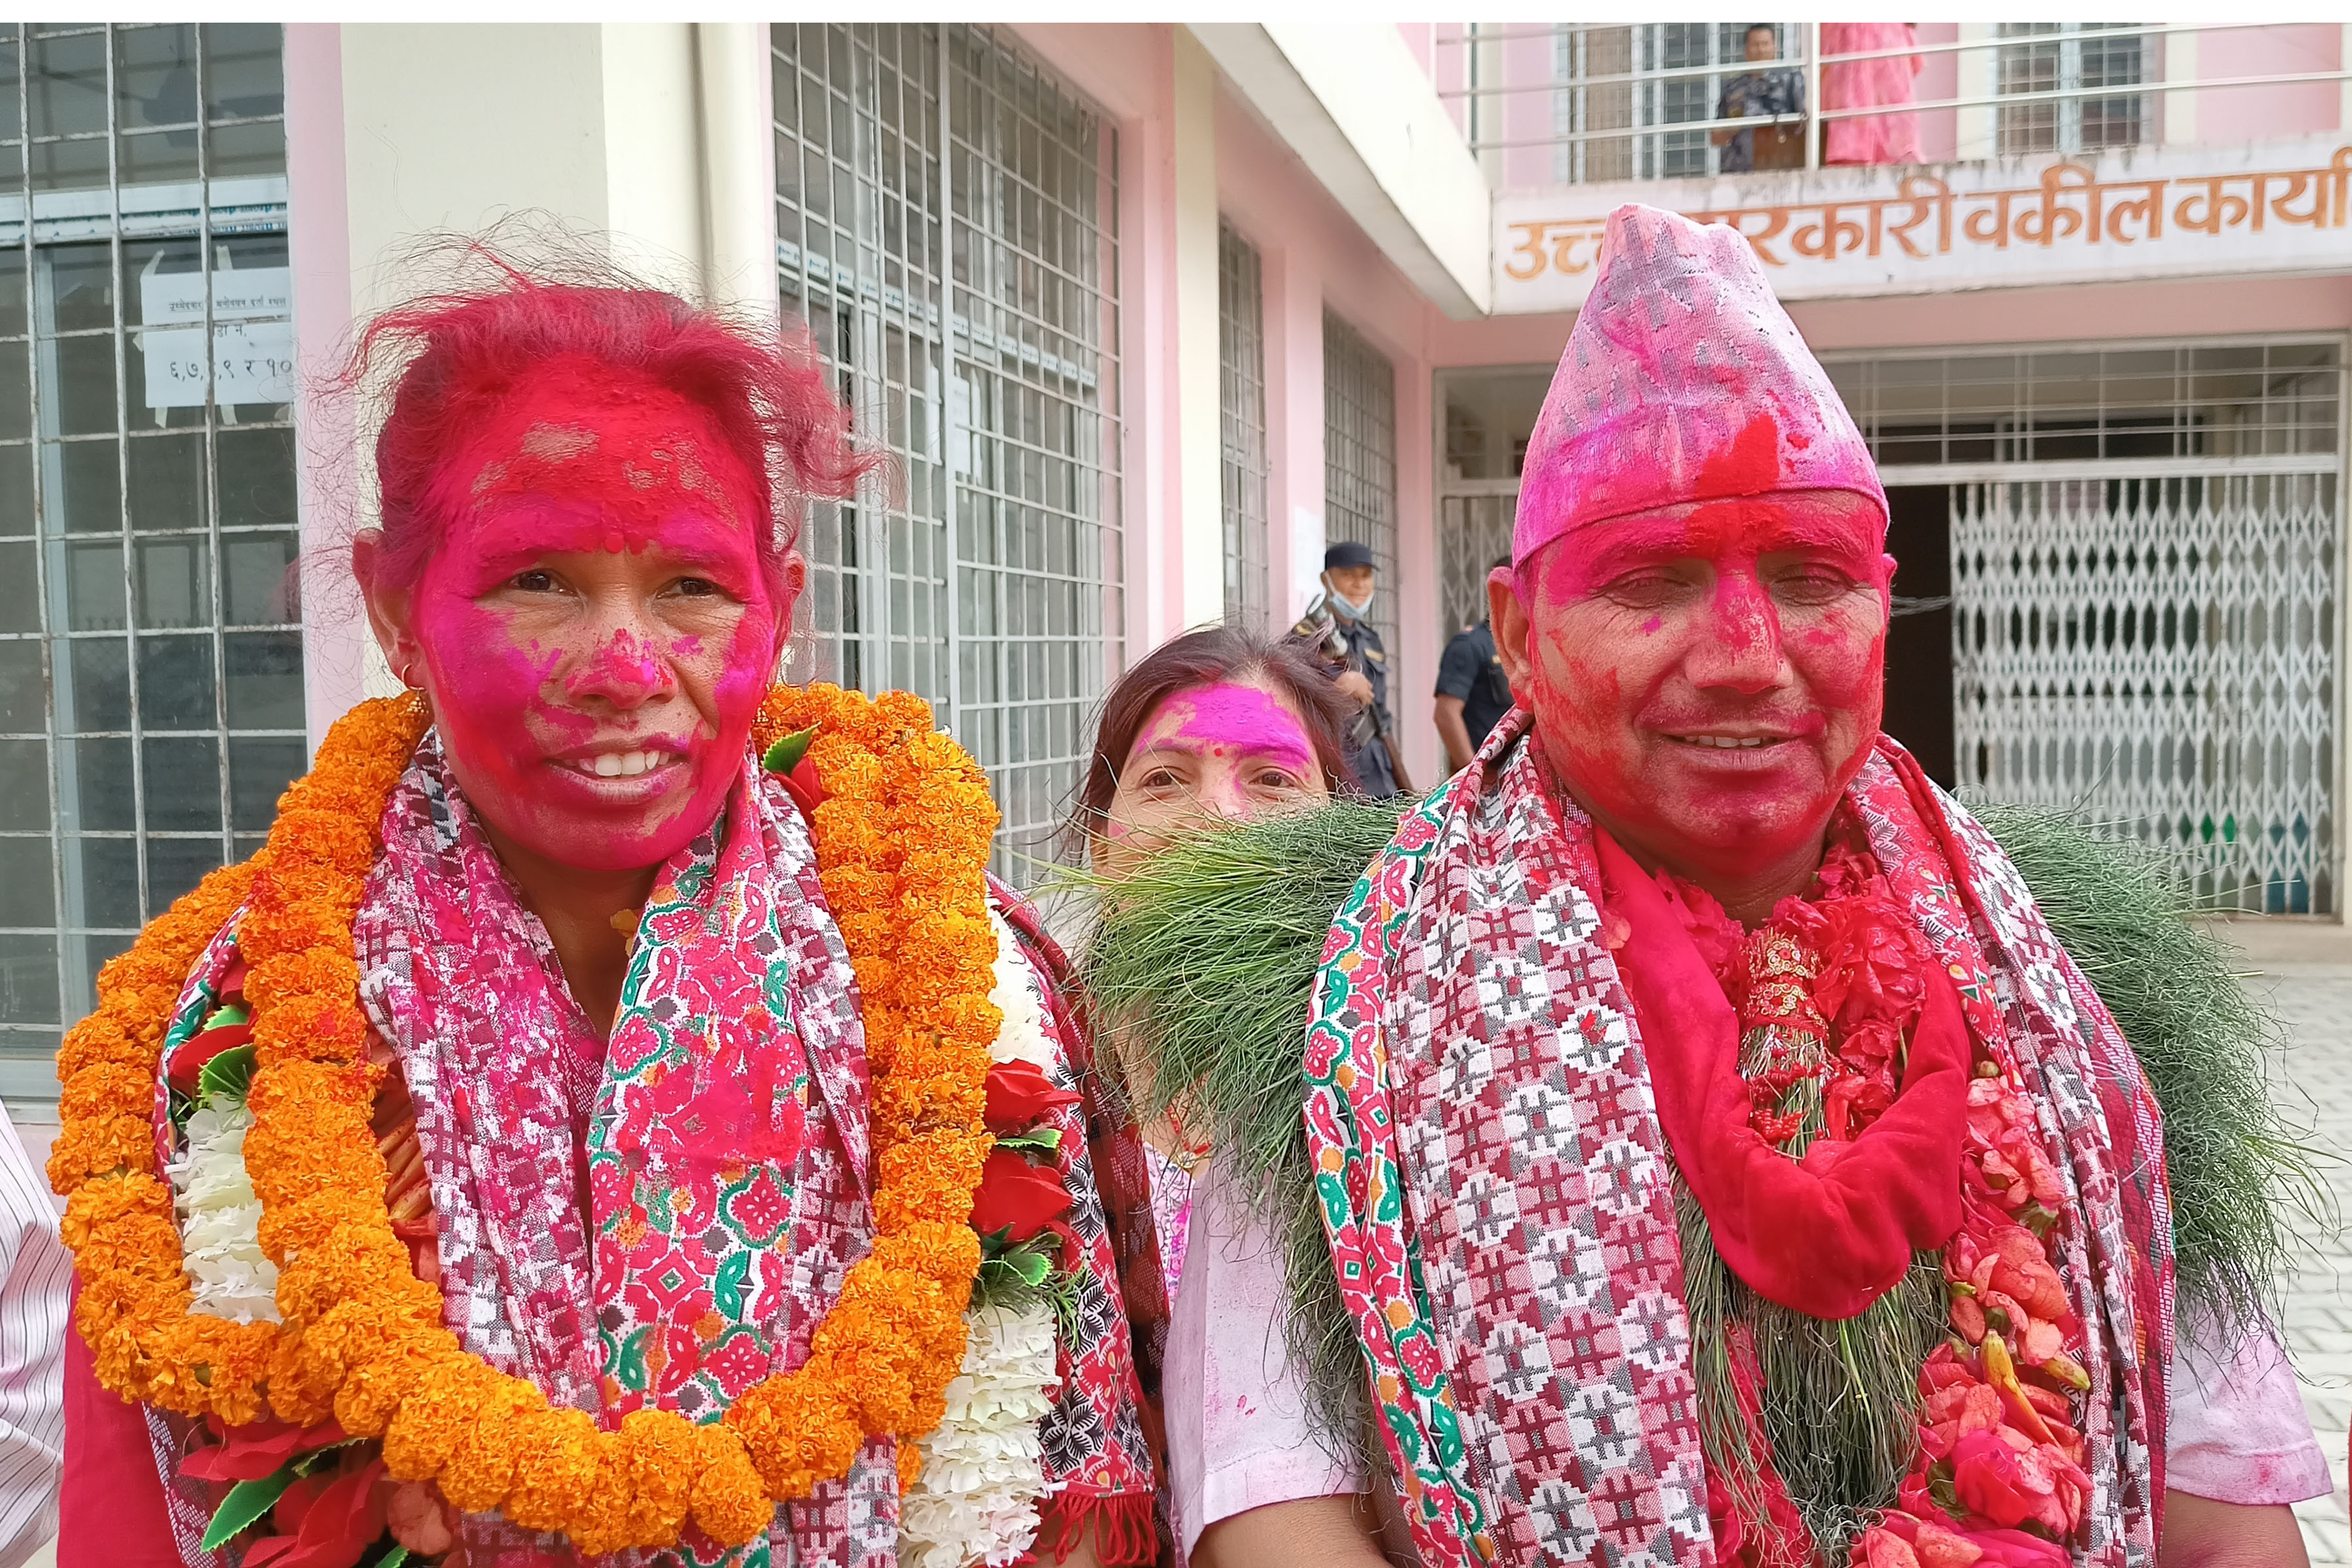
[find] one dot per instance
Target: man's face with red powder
(596, 628)
(1706, 679)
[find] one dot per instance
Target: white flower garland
(220, 1218)
(983, 1469)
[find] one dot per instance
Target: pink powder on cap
(1684, 380)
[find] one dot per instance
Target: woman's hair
(1203, 659)
(763, 391)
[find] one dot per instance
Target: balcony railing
(1580, 102)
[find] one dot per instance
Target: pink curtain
(1873, 138)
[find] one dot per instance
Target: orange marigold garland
(902, 839)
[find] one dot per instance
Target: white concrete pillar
(1199, 408)
(2180, 107)
(1973, 128)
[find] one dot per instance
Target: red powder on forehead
(576, 428)
(1748, 466)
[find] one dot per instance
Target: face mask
(1349, 607)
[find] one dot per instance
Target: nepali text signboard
(252, 357)
(2138, 212)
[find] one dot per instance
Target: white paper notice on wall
(252, 357)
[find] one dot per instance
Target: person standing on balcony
(1892, 138)
(1758, 95)
(1339, 628)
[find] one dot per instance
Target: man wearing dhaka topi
(615, 1118)
(1716, 1152)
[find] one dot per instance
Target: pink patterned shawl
(1499, 1196)
(697, 1286)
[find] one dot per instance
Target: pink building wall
(2260, 113)
(1939, 81)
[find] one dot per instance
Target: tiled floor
(2315, 999)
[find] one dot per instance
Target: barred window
(947, 222)
(1241, 362)
(1359, 474)
(151, 657)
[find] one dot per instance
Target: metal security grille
(2158, 656)
(150, 673)
(947, 222)
(1240, 383)
(1473, 521)
(1359, 474)
(2144, 546)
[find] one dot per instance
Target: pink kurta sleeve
(2238, 1432)
(1239, 1435)
(111, 1512)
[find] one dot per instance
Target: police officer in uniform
(1472, 692)
(1359, 665)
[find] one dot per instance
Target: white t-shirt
(1239, 1436)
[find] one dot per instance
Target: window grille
(1651, 74)
(2038, 65)
(947, 221)
(2143, 545)
(1241, 363)
(2143, 401)
(1360, 475)
(151, 660)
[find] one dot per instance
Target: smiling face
(1707, 678)
(1234, 750)
(596, 628)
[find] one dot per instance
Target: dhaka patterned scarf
(1500, 1191)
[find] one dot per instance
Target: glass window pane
(94, 588)
(155, 76)
(259, 582)
(81, 282)
(24, 787)
(175, 684)
(20, 588)
(176, 582)
(258, 147)
(184, 784)
(99, 698)
(167, 481)
(88, 478)
(256, 477)
(258, 773)
(16, 491)
(154, 157)
(29, 980)
(84, 389)
(245, 65)
(104, 873)
(69, 165)
(97, 788)
(67, 84)
(23, 692)
(174, 866)
(28, 894)
(16, 308)
(10, 123)
(16, 392)
(264, 681)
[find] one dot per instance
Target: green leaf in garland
(393, 1558)
(247, 1501)
(1045, 1141)
(228, 1075)
(223, 1018)
(786, 754)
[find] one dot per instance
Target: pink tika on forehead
(1684, 381)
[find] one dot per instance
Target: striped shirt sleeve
(34, 1274)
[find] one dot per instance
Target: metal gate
(2157, 655)
(1474, 528)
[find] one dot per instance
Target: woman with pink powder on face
(626, 1112)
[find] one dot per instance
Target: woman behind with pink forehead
(615, 1117)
